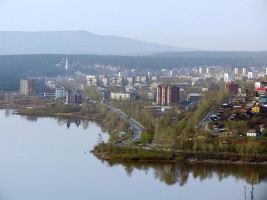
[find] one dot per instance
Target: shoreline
(123, 154)
(144, 155)
(66, 115)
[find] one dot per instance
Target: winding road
(136, 126)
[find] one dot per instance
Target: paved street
(136, 126)
(204, 122)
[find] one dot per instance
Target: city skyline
(206, 25)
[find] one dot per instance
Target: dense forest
(15, 67)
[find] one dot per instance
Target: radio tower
(67, 63)
(123, 67)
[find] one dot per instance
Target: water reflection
(32, 156)
(29, 118)
(178, 173)
(61, 121)
(69, 121)
(8, 112)
(77, 122)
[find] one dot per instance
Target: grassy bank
(101, 113)
(59, 111)
(113, 152)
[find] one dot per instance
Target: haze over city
(152, 99)
(232, 25)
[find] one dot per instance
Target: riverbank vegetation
(119, 153)
(99, 112)
(175, 135)
(170, 136)
(176, 128)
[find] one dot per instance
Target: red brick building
(232, 88)
(73, 97)
(168, 95)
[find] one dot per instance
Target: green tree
(93, 93)
(239, 126)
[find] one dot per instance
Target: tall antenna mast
(67, 63)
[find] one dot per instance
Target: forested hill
(14, 67)
(45, 64)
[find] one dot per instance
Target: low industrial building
(194, 97)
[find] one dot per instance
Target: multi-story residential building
(154, 78)
(232, 88)
(32, 87)
(130, 80)
(138, 79)
(104, 81)
(113, 80)
(204, 70)
(119, 80)
(143, 79)
(124, 96)
(28, 87)
(236, 71)
(98, 81)
(251, 75)
(92, 80)
(228, 77)
(244, 71)
(152, 95)
(168, 94)
(208, 70)
(60, 93)
(73, 97)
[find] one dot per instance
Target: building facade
(73, 97)
(232, 88)
(194, 97)
(28, 87)
(123, 96)
(168, 95)
(60, 93)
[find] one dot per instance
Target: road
(203, 123)
(136, 126)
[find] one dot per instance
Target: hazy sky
(200, 24)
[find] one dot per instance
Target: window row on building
(168, 94)
(106, 81)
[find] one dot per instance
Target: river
(49, 159)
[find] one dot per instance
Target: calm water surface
(49, 159)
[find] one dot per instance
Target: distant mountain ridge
(76, 42)
(213, 54)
